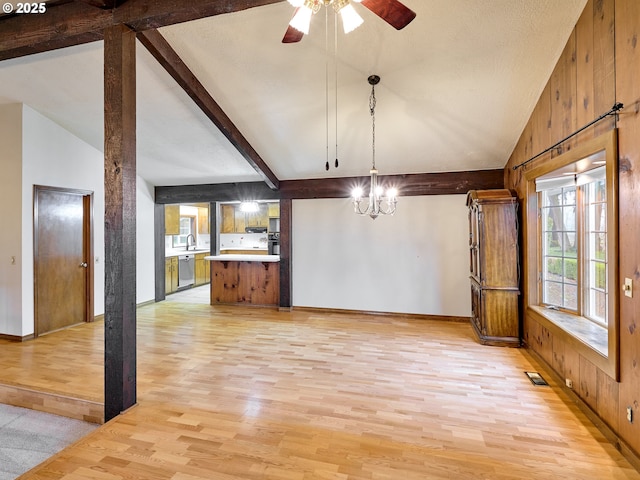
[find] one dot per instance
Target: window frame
(607, 143)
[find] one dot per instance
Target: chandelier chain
(372, 111)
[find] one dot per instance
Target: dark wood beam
(416, 184)
(220, 192)
(286, 232)
(68, 24)
(120, 219)
(408, 185)
(104, 4)
(173, 64)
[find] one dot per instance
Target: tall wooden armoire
(493, 248)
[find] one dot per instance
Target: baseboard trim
(412, 316)
(612, 437)
(16, 338)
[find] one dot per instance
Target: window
(187, 227)
(572, 248)
(573, 227)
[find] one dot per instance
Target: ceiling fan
(391, 11)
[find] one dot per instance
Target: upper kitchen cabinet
(203, 219)
(259, 218)
(172, 219)
(273, 210)
(234, 220)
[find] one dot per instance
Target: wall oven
(273, 245)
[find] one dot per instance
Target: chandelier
(380, 202)
(306, 8)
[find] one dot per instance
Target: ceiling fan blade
(292, 35)
(391, 11)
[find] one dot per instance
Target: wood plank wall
(599, 65)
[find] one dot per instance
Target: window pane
(570, 271)
(598, 275)
(560, 247)
(553, 269)
(569, 245)
(552, 293)
(552, 197)
(596, 287)
(598, 306)
(571, 297)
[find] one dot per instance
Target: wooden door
(63, 273)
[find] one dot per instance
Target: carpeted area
(28, 437)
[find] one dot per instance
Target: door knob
(83, 264)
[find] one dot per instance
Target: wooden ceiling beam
(408, 185)
(104, 4)
(173, 64)
(73, 23)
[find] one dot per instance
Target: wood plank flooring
(253, 393)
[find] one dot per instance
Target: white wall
(10, 218)
(37, 151)
(413, 262)
(145, 262)
(54, 157)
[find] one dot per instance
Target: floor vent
(536, 378)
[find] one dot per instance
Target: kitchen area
(238, 254)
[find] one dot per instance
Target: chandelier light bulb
(299, 3)
(357, 193)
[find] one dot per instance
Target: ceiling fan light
(350, 18)
(302, 19)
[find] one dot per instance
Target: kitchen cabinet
(273, 210)
(202, 269)
(172, 219)
(252, 282)
(170, 275)
(259, 218)
(203, 220)
(240, 221)
(228, 222)
(493, 265)
(235, 220)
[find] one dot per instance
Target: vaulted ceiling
(457, 86)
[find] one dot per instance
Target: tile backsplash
(244, 240)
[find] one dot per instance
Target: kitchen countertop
(181, 251)
(263, 249)
(231, 257)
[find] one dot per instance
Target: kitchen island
(245, 279)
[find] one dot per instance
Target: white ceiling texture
(457, 87)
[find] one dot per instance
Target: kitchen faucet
(194, 241)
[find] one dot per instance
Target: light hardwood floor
(253, 393)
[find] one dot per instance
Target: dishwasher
(186, 271)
